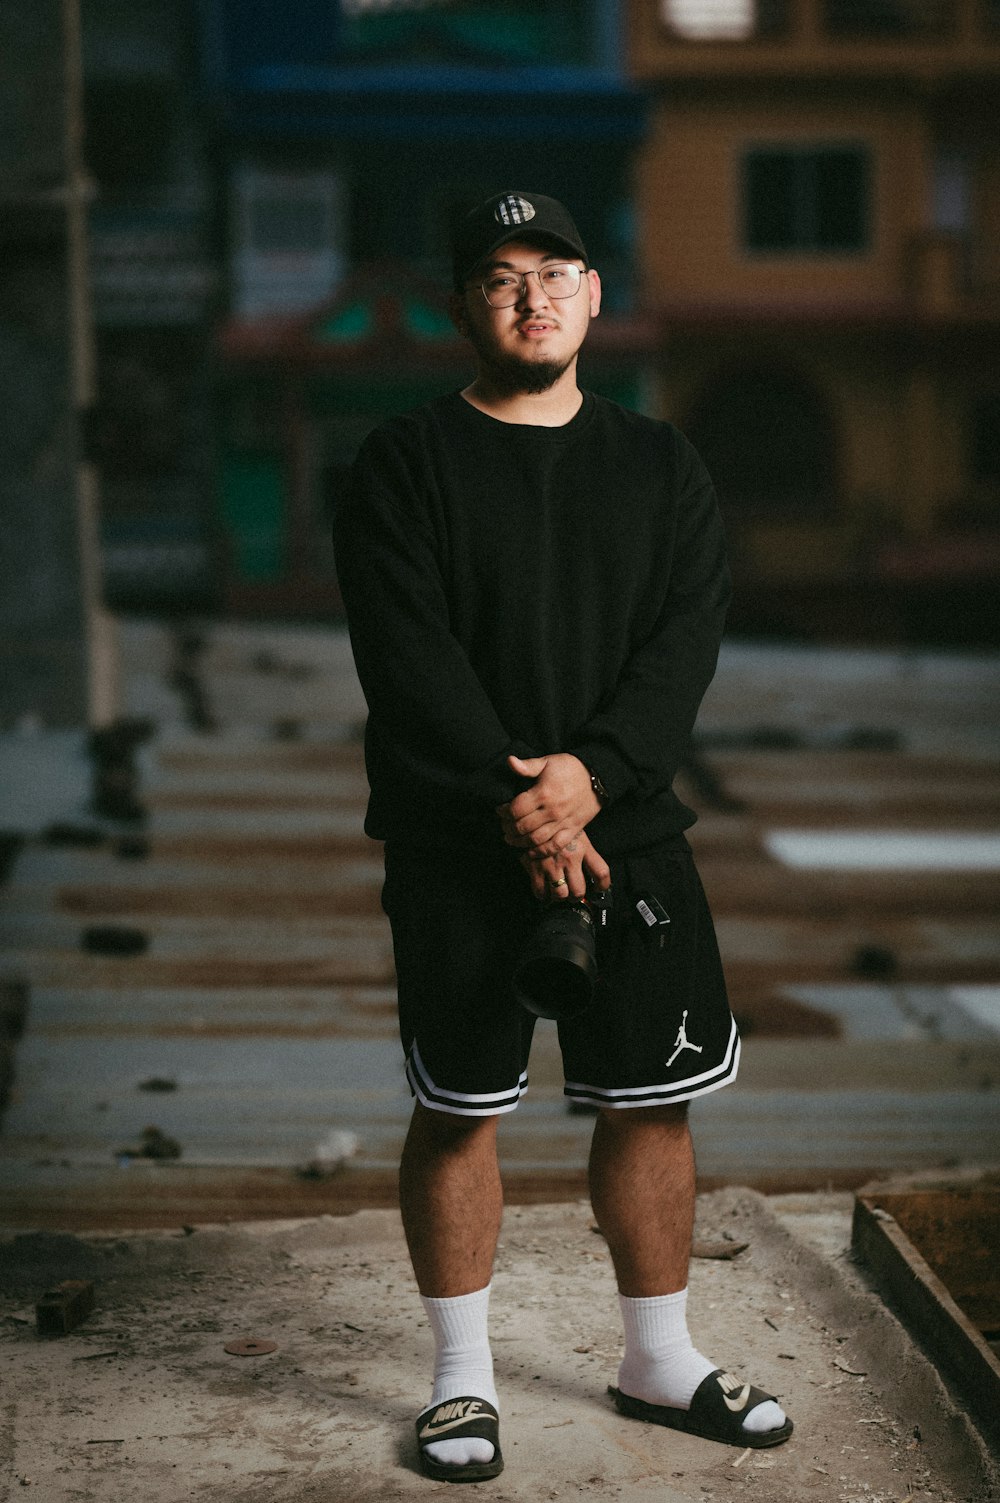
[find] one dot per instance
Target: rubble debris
(14, 996)
(875, 962)
(153, 1145)
(115, 785)
(330, 1155)
(11, 842)
(184, 676)
(64, 833)
(114, 939)
(723, 1250)
(132, 848)
(62, 1308)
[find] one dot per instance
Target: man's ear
(457, 313)
(595, 292)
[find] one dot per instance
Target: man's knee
(446, 1131)
(624, 1119)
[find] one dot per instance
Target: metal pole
(103, 670)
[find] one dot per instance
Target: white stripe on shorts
(664, 1095)
(488, 1104)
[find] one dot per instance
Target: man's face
(528, 346)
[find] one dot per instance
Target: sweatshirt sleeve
(422, 691)
(637, 739)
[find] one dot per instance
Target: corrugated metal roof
(264, 997)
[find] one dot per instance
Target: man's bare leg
(642, 1188)
(451, 1202)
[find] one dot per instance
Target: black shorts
(659, 1029)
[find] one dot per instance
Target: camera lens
(555, 975)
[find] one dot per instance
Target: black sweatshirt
(514, 588)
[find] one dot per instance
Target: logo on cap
(514, 210)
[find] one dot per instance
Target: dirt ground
(143, 1401)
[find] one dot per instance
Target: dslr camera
(556, 971)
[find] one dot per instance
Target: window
(812, 199)
(288, 239)
(723, 20)
(951, 192)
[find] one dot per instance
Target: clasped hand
(546, 823)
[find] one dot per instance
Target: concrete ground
(144, 1401)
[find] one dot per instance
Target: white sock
(463, 1364)
(661, 1363)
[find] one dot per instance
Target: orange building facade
(818, 226)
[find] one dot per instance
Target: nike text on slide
(447, 1416)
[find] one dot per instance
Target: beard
(516, 377)
(512, 375)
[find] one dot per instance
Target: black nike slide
(460, 1419)
(720, 1405)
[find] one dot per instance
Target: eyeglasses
(502, 289)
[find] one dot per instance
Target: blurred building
(154, 248)
(344, 136)
(819, 224)
(795, 206)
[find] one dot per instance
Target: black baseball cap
(511, 216)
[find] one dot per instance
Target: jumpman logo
(681, 1041)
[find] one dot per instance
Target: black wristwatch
(598, 786)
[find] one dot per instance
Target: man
(536, 583)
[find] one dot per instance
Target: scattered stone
(68, 834)
(722, 1250)
(62, 1308)
(153, 1145)
(14, 997)
(876, 962)
(112, 939)
(330, 1155)
(132, 848)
